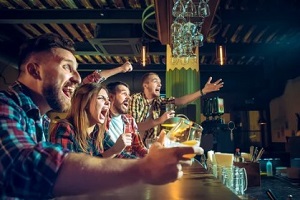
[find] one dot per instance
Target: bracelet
(202, 94)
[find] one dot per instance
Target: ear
(145, 85)
(111, 97)
(33, 70)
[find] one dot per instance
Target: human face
(60, 78)
(152, 86)
(120, 100)
(99, 107)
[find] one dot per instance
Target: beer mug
(239, 182)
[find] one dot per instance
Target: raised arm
(209, 87)
(99, 76)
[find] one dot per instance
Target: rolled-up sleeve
(28, 169)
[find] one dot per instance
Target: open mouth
(104, 112)
(68, 91)
(125, 103)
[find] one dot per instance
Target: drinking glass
(170, 106)
(203, 8)
(190, 9)
(178, 8)
(184, 133)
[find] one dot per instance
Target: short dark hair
(44, 42)
(111, 87)
(146, 76)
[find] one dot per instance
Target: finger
(161, 137)
(172, 115)
(180, 151)
(217, 82)
(171, 112)
(188, 162)
(209, 80)
(179, 167)
(180, 172)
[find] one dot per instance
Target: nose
(76, 77)
(107, 102)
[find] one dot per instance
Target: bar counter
(195, 184)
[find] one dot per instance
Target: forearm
(187, 98)
(110, 153)
(146, 125)
(81, 174)
(110, 72)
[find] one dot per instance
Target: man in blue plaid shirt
(31, 167)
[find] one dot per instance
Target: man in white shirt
(119, 122)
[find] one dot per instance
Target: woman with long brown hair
(83, 129)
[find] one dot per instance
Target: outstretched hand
(211, 87)
(163, 165)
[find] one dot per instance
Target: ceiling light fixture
(262, 120)
(144, 55)
(221, 54)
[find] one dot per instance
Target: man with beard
(31, 167)
(145, 107)
(119, 122)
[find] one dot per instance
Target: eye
(103, 98)
(68, 67)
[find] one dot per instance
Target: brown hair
(42, 43)
(78, 115)
(146, 76)
(112, 87)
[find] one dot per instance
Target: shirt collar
(21, 95)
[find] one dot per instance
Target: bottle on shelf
(269, 168)
(238, 155)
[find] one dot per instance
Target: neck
(90, 129)
(113, 112)
(149, 98)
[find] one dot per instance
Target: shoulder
(64, 128)
(127, 116)
(11, 107)
(137, 95)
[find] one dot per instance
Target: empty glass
(170, 106)
(190, 9)
(203, 8)
(234, 178)
(178, 8)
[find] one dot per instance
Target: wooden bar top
(195, 184)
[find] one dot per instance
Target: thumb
(161, 138)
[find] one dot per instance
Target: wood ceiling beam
(251, 17)
(246, 69)
(208, 49)
(103, 16)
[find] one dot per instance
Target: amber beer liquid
(190, 143)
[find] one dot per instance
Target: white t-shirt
(116, 128)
